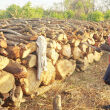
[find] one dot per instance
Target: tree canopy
(69, 9)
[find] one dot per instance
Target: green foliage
(79, 5)
(25, 12)
(96, 16)
(83, 16)
(77, 9)
(13, 11)
(39, 13)
(57, 15)
(69, 14)
(3, 14)
(107, 15)
(29, 12)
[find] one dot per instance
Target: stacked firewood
(66, 52)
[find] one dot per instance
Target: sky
(41, 3)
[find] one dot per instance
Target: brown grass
(81, 91)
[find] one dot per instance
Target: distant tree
(55, 14)
(13, 11)
(107, 15)
(3, 14)
(30, 12)
(83, 16)
(69, 14)
(27, 10)
(39, 13)
(96, 16)
(81, 6)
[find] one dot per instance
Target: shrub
(83, 16)
(107, 15)
(13, 11)
(58, 15)
(69, 14)
(3, 14)
(95, 16)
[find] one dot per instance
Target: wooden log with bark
(64, 68)
(48, 76)
(7, 81)
(30, 84)
(27, 49)
(16, 69)
(3, 43)
(30, 61)
(4, 61)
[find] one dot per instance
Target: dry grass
(81, 91)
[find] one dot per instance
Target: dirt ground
(81, 91)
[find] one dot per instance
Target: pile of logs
(66, 52)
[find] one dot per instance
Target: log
(10, 31)
(48, 76)
(57, 103)
(76, 52)
(58, 47)
(3, 43)
(29, 48)
(3, 108)
(14, 52)
(97, 56)
(29, 28)
(15, 38)
(64, 68)
(18, 38)
(90, 57)
(51, 43)
(4, 61)
(82, 64)
(3, 52)
(17, 96)
(30, 83)
(83, 47)
(62, 37)
(2, 36)
(7, 81)
(89, 50)
(77, 42)
(16, 69)
(53, 55)
(12, 43)
(91, 41)
(66, 50)
(30, 61)
(22, 50)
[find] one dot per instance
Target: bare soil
(81, 91)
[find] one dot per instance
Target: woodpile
(66, 52)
